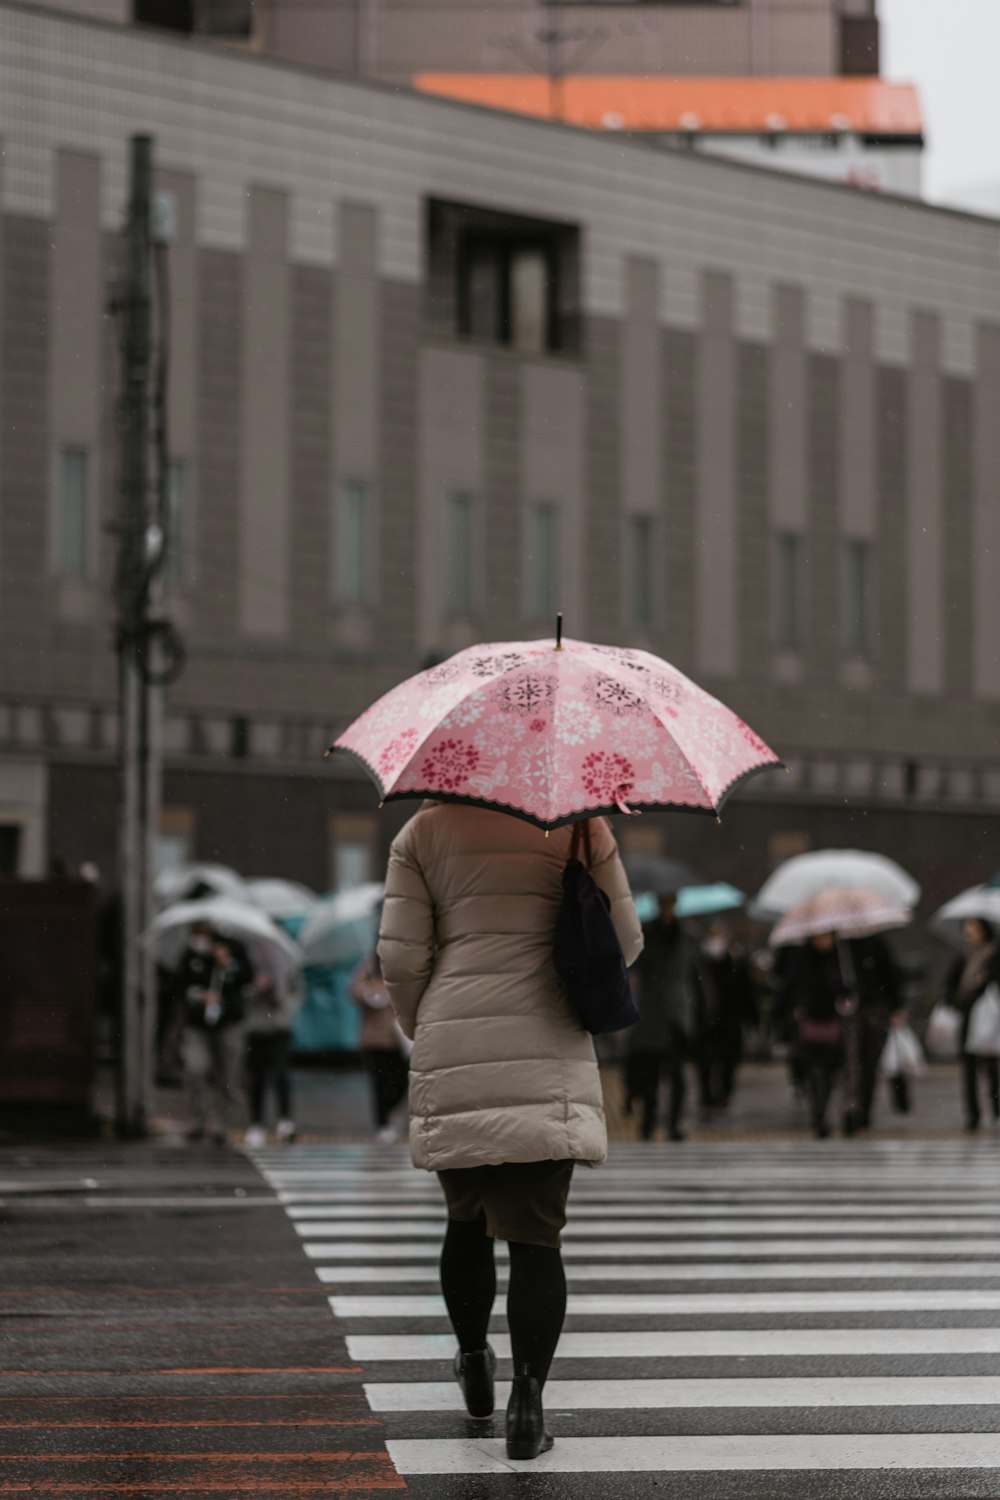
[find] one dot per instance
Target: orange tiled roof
(733, 105)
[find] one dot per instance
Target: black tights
(536, 1297)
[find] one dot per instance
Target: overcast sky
(951, 50)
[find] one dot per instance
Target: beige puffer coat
(502, 1070)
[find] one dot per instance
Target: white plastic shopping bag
(983, 1036)
(943, 1037)
(902, 1055)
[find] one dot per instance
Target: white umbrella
(189, 882)
(979, 901)
(849, 913)
(806, 875)
(281, 898)
(341, 929)
(169, 931)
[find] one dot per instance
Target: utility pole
(142, 531)
(135, 309)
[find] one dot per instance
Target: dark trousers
(267, 1067)
(819, 1068)
(873, 1033)
(643, 1074)
(972, 1066)
(388, 1070)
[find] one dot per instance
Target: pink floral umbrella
(555, 732)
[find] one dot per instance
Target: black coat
(964, 1003)
(198, 973)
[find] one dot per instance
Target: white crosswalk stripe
(738, 1308)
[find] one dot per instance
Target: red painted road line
(196, 1370)
(222, 1422)
(298, 1455)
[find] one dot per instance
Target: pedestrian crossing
(774, 1320)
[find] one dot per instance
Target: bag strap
(581, 834)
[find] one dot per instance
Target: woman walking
(816, 992)
(505, 1095)
(967, 979)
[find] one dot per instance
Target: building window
(640, 571)
(180, 569)
(352, 850)
(542, 561)
(858, 598)
(462, 554)
(503, 279)
(352, 543)
(10, 848)
(788, 591)
(227, 18)
(71, 549)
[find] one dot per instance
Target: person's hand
(898, 1018)
(212, 997)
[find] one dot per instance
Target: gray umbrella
(658, 874)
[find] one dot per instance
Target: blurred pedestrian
(213, 978)
(967, 979)
(272, 1002)
(505, 1094)
(878, 990)
(382, 1052)
(815, 990)
(730, 1006)
(671, 1001)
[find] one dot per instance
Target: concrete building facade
(394, 39)
(438, 371)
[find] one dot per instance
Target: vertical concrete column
(641, 416)
(553, 402)
(264, 469)
(986, 516)
(856, 463)
(354, 385)
(450, 445)
(788, 509)
(858, 517)
(715, 547)
(76, 311)
(924, 541)
(182, 391)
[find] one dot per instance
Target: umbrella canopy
(281, 898)
(555, 731)
(194, 881)
(847, 912)
(807, 874)
(168, 933)
(981, 901)
(709, 900)
(341, 929)
(658, 874)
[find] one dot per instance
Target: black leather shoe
(526, 1435)
(474, 1373)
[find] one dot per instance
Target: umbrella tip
(559, 644)
(328, 752)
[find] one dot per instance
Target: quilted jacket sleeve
(609, 874)
(406, 939)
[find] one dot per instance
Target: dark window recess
(859, 46)
(10, 848)
(239, 737)
(503, 279)
(233, 18)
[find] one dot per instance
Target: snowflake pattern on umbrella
(554, 735)
(526, 693)
(449, 765)
(617, 697)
